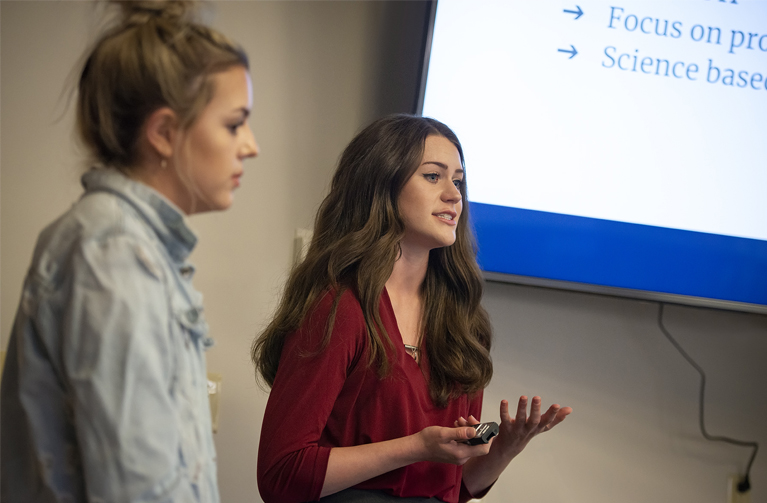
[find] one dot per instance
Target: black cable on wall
(744, 485)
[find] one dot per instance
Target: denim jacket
(104, 392)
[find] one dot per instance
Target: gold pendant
(412, 351)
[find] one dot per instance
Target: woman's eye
(234, 127)
(458, 184)
(431, 177)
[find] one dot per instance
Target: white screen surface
(581, 136)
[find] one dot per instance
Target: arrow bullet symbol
(579, 12)
(572, 51)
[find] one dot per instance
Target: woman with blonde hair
(379, 350)
(104, 392)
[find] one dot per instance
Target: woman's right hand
(348, 466)
(447, 445)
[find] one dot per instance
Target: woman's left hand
(516, 432)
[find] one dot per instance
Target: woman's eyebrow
(442, 165)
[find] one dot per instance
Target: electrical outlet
(733, 496)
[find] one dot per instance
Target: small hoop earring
(163, 164)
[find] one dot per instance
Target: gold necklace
(412, 351)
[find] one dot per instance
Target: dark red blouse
(333, 399)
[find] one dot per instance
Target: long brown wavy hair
(355, 244)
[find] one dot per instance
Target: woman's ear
(161, 128)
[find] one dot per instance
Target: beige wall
(318, 78)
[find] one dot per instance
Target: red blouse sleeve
(291, 463)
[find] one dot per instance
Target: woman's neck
(404, 288)
(408, 274)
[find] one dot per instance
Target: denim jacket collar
(163, 216)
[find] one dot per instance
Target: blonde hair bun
(170, 11)
(156, 55)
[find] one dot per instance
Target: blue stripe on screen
(617, 254)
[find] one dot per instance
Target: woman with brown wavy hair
(379, 350)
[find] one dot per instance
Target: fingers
(521, 417)
(548, 418)
(535, 413)
(442, 435)
(505, 416)
(550, 414)
(447, 445)
(554, 416)
(536, 422)
(460, 433)
(466, 422)
(560, 416)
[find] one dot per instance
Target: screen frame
(592, 288)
